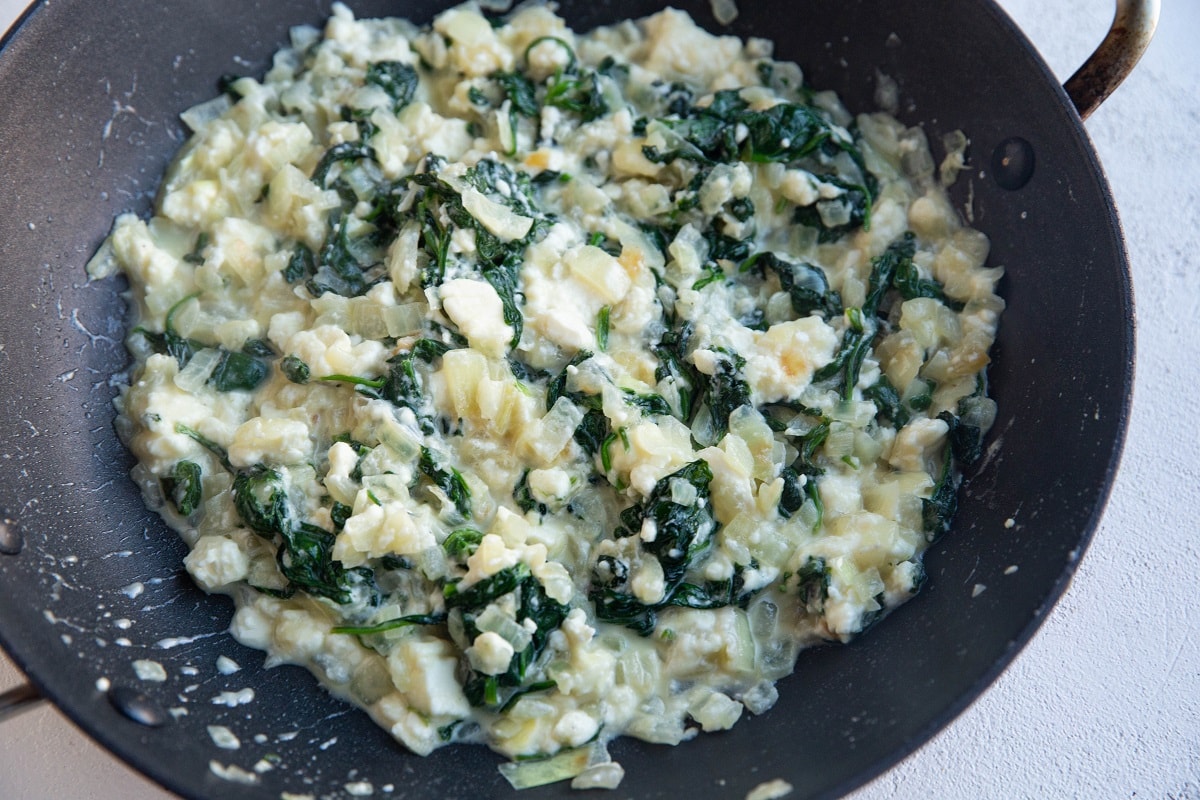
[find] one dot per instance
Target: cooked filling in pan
(534, 388)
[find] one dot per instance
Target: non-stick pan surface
(91, 582)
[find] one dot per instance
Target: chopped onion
(527, 774)
(599, 776)
(494, 620)
(104, 263)
(197, 117)
(724, 11)
(366, 318)
(405, 319)
(198, 370)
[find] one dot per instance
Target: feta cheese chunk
(477, 310)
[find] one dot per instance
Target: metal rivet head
(138, 707)
(1012, 163)
(11, 540)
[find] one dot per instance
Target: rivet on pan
(11, 540)
(137, 706)
(1012, 163)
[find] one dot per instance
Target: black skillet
(91, 93)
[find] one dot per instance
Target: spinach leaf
(346, 151)
(391, 624)
(806, 285)
(208, 444)
(580, 94)
(532, 604)
(726, 390)
(520, 92)
(813, 588)
(847, 362)
(855, 204)
(449, 480)
(888, 402)
(340, 267)
(340, 512)
(183, 487)
(306, 559)
(674, 370)
(462, 543)
(602, 325)
(682, 537)
(301, 264)
(294, 369)
(239, 372)
(648, 403)
(884, 268)
(938, 510)
(197, 255)
(505, 279)
(398, 80)
(910, 284)
(261, 500)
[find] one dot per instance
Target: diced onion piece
(600, 776)
(198, 116)
(840, 442)
(365, 318)
(104, 262)
(527, 774)
(742, 657)
(432, 562)
(555, 430)
(405, 319)
(724, 11)
(505, 131)
(198, 370)
(496, 621)
(405, 441)
(500, 220)
(386, 487)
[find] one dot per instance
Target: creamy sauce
(534, 388)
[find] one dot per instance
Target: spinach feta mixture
(534, 388)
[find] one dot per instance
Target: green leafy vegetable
(449, 480)
(294, 369)
(261, 500)
(183, 487)
(806, 285)
(938, 510)
(346, 151)
(301, 264)
(813, 584)
(390, 625)
(398, 80)
(239, 372)
(884, 268)
(682, 537)
(726, 390)
(197, 255)
(462, 543)
(520, 92)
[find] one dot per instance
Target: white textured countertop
(1105, 701)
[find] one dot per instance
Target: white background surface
(1105, 702)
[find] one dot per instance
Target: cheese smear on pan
(535, 388)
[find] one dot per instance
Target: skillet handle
(1130, 34)
(14, 701)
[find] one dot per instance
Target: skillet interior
(90, 119)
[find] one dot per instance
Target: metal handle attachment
(1130, 34)
(14, 701)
